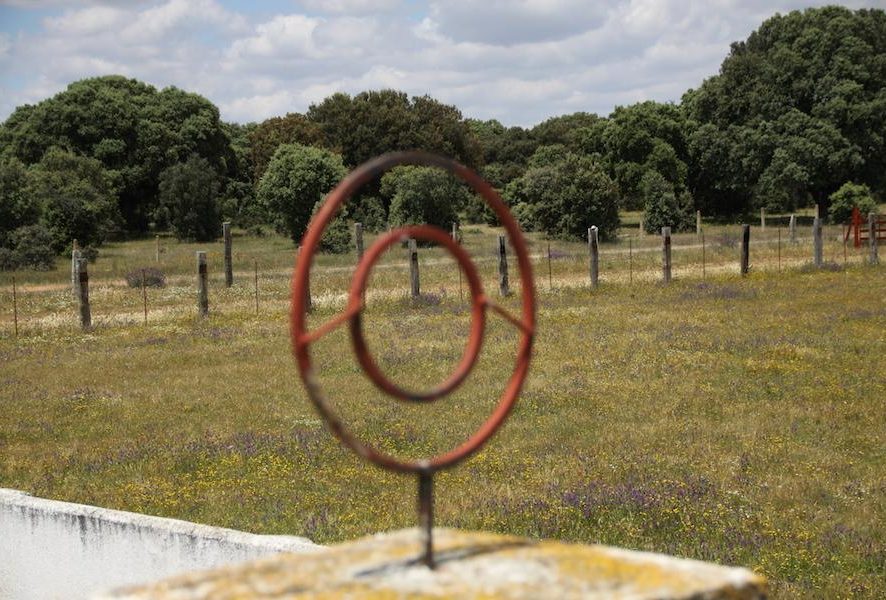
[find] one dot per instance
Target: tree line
(796, 116)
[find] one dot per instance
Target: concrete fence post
(698, 223)
(229, 266)
(83, 288)
(792, 228)
(358, 240)
(872, 238)
(745, 248)
(594, 255)
(157, 249)
(666, 254)
(817, 242)
(202, 285)
(503, 287)
(414, 287)
(762, 219)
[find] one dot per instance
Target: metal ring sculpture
(302, 338)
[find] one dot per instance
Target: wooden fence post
(872, 237)
(503, 287)
(745, 248)
(157, 251)
(144, 296)
(83, 278)
(75, 279)
(630, 260)
(642, 231)
(358, 240)
(779, 249)
(703, 258)
(202, 283)
(762, 219)
(594, 251)
(666, 253)
(229, 266)
(309, 305)
(792, 227)
(14, 307)
(414, 288)
(698, 223)
(817, 245)
(550, 271)
(255, 270)
(457, 266)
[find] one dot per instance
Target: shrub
(153, 277)
(851, 195)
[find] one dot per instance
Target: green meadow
(740, 420)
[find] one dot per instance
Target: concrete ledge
(471, 565)
(51, 549)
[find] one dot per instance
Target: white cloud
(520, 61)
(282, 37)
(350, 7)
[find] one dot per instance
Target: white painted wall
(51, 549)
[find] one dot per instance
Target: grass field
(738, 420)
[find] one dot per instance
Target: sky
(518, 61)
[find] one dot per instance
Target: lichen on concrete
(470, 565)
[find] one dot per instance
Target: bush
(28, 247)
(153, 277)
(851, 195)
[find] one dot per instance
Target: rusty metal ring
(478, 312)
(302, 338)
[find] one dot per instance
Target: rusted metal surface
(302, 338)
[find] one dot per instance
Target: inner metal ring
(478, 312)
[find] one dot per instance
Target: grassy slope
(734, 420)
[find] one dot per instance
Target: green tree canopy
(662, 206)
(16, 208)
(130, 127)
(267, 136)
(189, 200)
(374, 122)
(296, 179)
(76, 196)
(849, 196)
(800, 105)
(566, 195)
(423, 195)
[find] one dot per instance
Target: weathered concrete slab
(51, 549)
(471, 565)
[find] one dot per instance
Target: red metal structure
(859, 228)
(302, 338)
